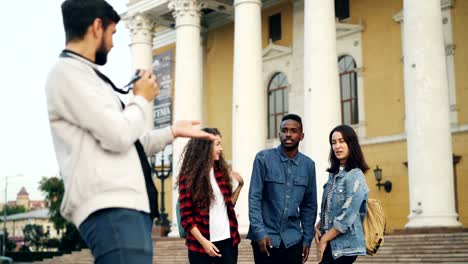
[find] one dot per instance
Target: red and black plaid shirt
(195, 217)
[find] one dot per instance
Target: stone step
(407, 249)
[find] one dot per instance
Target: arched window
(348, 85)
(277, 102)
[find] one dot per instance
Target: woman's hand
(321, 246)
(210, 248)
(235, 194)
(317, 233)
(236, 176)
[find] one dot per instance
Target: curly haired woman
(207, 202)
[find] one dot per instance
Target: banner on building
(163, 69)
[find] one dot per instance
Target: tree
(11, 210)
(34, 234)
(53, 189)
(10, 245)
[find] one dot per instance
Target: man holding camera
(101, 144)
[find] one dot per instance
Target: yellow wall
(460, 38)
(383, 69)
(460, 148)
(286, 10)
(390, 158)
(168, 182)
(219, 55)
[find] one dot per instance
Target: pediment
(273, 51)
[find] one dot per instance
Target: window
(348, 87)
(342, 9)
(274, 24)
(277, 102)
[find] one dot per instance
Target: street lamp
(4, 213)
(162, 172)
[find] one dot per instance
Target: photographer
(101, 144)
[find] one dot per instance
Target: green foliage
(24, 248)
(71, 239)
(34, 234)
(28, 256)
(10, 245)
(52, 243)
(53, 189)
(11, 210)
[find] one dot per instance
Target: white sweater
(94, 141)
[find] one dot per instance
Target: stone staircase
(419, 248)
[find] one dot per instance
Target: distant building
(22, 199)
(15, 224)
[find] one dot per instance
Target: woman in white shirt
(207, 202)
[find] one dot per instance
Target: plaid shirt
(195, 217)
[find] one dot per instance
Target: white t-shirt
(219, 221)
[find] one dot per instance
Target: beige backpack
(374, 226)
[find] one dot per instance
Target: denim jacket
(346, 212)
(282, 198)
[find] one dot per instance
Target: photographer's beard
(101, 54)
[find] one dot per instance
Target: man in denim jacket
(283, 199)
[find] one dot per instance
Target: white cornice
(402, 137)
(164, 37)
(145, 6)
(444, 4)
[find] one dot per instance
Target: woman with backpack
(207, 202)
(339, 234)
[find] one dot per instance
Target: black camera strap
(146, 167)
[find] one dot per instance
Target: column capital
(238, 2)
(140, 25)
(186, 8)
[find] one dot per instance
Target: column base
(243, 229)
(174, 231)
(426, 221)
(429, 230)
(160, 231)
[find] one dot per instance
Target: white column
(430, 168)
(188, 77)
(249, 97)
(141, 30)
(322, 109)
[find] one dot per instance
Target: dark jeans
(119, 236)
(281, 255)
(328, 258)
(228, 254)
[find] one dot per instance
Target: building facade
(22, 199)
(393, 69)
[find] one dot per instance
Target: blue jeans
(119, 236)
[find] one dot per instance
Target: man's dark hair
(292, 117)
(356, 157)
(78, 15)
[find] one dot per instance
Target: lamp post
(4, 213)
(162, 172)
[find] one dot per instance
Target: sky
(32, 36)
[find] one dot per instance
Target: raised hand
(146, 86)
(187, 128)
